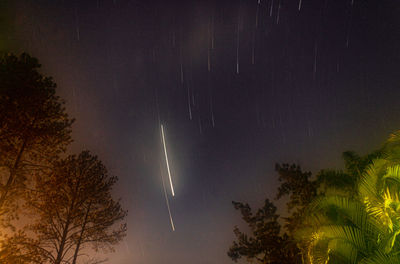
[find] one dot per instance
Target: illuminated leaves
(368, 222)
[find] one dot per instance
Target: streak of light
(254, 35)
(167, 202)
(347, 38)
(181, 73)
(189, 107)
(315, 59)
(253, 51)
(299, 5)
(77, 25)
(210, 38)
(237, 46)
(272, 6)
(258, 7)
(181, 65)
(350, 24)
(278, 15)
(212, 113)
(212, 32)
(200, 127)
(166, 160)
(209, 61)
(309, 131)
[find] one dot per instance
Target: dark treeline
(338, 216)
(67, 198)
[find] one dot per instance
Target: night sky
(237, 85)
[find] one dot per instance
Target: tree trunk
(81, 235)
(13, 171)
(65, 231)
(62, 243)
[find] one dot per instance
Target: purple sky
(262, 83)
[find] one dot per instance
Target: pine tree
(75, 208)
(264, 242)
(34, 127)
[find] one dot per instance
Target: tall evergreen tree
(34, 127)
(75, 209)
(264, 243)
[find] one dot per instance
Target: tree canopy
(265, 244)
(364, 227)
(75, 207)
(338, 216)
(34, 126)
(68, 199)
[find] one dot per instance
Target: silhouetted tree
(75, 208)
(264, 243)
(301, 189)
(19, 249)
(34, 127)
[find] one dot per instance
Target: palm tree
(363, 226)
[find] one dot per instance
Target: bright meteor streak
(166, 200)
(166, 160)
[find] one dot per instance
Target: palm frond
(348, 234)
(343, 252)
(378, 257)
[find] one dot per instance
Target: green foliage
(328, 222)
(361, 227)
(300, 188)
(269, 244)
